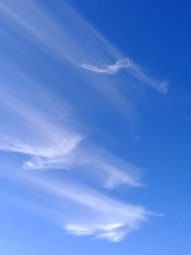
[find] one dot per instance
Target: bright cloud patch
(111, 69)
(132, 69)
(112, 226)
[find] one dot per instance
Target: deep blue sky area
(95, 120)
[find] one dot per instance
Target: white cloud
(112, 232)
(112, 170)
(79, 209)
(51, 143)
(93, 214)
(75, 40)
(93, 160)
(32, 128)
(100, 232)
(110, 69)
(132, 69)
(107, 219)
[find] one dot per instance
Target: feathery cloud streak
(91, 213)
(132, 69)
(54, 144)
(78, 42)
(34, 130)
(105, 218)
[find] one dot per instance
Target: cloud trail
(132, 69)
(110, 69)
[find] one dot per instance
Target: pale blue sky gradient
(95, 127)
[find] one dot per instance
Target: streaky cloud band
(132, 69)
(45, 142)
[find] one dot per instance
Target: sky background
(95, 106)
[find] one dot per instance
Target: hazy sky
(95, 118)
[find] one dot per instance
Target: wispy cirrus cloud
(41, 134)
(81, 211)
(90, 50)
(51, 143)
(109, 172)
(133, 69)
(110, 69)
(104, 218)
(35, 130)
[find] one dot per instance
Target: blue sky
(95, 127)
